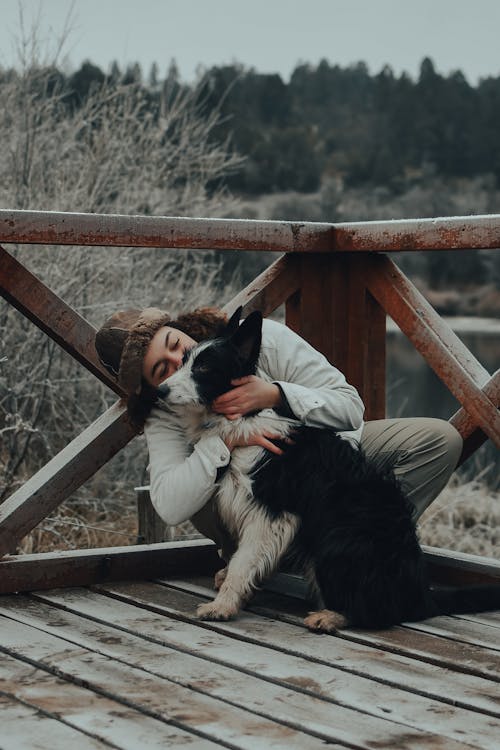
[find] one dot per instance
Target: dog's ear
(247, 339)
(233, 323)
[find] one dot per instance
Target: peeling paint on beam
(450, 233)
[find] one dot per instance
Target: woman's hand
(249, 394)
(264, 439)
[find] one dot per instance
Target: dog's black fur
(356, 529)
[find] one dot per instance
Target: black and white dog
(321, 502)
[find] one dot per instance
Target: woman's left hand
(249, 394)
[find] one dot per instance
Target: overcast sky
(269, 35)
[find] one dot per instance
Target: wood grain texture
(95, 716)
(83, 567)
(57, 228)
(130, 660)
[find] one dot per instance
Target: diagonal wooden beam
(441, 348)
(415, 312)
(473, 435)
(268, 290)
(45, 309)
(61, 476)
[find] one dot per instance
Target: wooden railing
(337, 284)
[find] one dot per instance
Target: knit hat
(122, 342)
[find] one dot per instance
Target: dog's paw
(215, 611)
(219, 578)
(325, 621)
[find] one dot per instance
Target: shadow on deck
(128, 665)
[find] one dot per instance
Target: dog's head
(208, 368)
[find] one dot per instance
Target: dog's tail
(461, 600)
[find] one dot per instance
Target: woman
(143, 348)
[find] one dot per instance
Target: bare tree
(114, 153)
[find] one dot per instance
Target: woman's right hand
(263, 439)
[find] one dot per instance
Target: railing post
(366, 338)
(334, 311)
(151, 527)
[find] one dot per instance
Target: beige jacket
(182, 476)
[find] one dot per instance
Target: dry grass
(76, 527)
(464, 518)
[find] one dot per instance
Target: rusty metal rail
(337, 286)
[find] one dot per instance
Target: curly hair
(201, 324)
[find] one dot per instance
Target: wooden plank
(82, 567)
(122, 726)
(56, 228)
(65, 326)
(369, 659)
(398, 640)
(268, 290)
(490, 618)
(461, 630)
(350, 679)
(304, 712)
(473, 436)
(438, 344)
(448, 567)
(27, 727)
(62, 475)
(160, 697)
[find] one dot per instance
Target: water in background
(413, 390)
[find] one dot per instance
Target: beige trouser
(423, 453)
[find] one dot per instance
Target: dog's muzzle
(163, 390)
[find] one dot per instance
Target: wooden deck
(127, 665)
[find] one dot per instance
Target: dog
(321, 503)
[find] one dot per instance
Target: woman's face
(164, 354)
